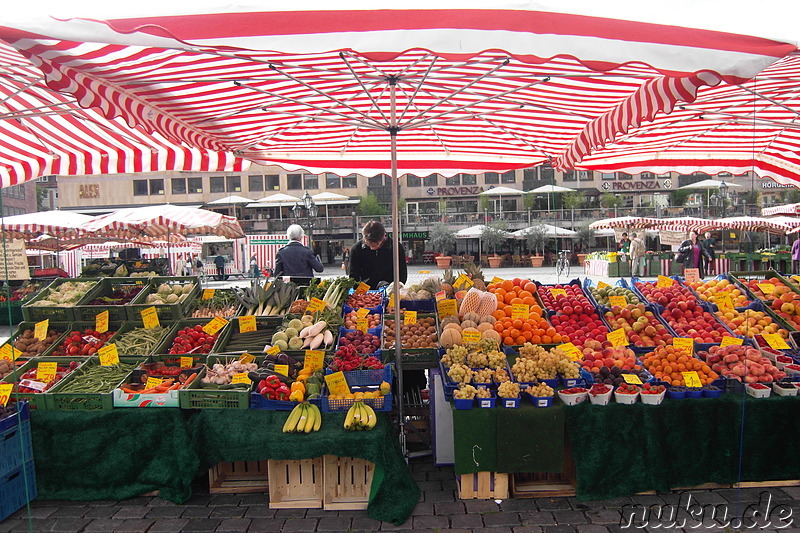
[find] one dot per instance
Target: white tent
(550, 231)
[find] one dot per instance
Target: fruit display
(192, 340)
(508, 389)
(360, 417)
(30, 346)
(712, 289)
(453, 328)
(772, 288)
(118, 295)
(351, 320)
(304, 333)
(741, 363)
(603, 295)
(749, 322)
(640, 324)
(83, 343)
(421, 334)
(220, 374)
(460, 373)
(304, 418)
(607, 365)
(649, 388)
(576, 320)
(360, 342)
(20, 293)
(370, 300)
(348, 358)
(667, 363)
(534, 363)
(787, 306)
(418, 291)
(140, 341)
(628, 388)
(465, 391)
(66, 294)
(599, 389)
(30, 384)
(540, 390)
(223, 303)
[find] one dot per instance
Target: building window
(546, 173)
(585, 175)
(217, 185)
(569, 175)
(491, 178)
(647, 175)
(413, 181)
(469, 179)
(156, 187)
(255, 183)
(624, 176)
(140, 187)
(332, 181)
(509, 177)
(195, 185)
(233, 184)
(350, 182)
(453, 180)
(272, 182)
(294, 181)
(431, 181)
(609, 176)
(310, 181)
(178, 185)
(664, 175)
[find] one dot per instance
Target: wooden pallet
(542, 485)
(347, 483)
(295, 484)
(238, 477)
(483, 486)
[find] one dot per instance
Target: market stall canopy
(476, 232)
(789, 209)
(546, 189)
(752, 224)
(231, 200)
(56, 224)
(275, 200)
(549, 231)
(624, 222)
(709, 184)
(792, 222)
(683, 224)
(331, 198)
(609, 232)
(501, 191)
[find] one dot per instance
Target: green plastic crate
(416, 357)
(267, 324)
(654, 267)
(15, 313)
(176, 311)
(32, 313)
(131, 324)
(96, 401)
(200, 395)
(166, 343)
(59, 327)
(37, 399)
(117, 313)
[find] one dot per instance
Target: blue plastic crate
(463, 403)
(258, 401)
(382, 404)
(373, 331)
(17, 488)
(15, 440)
(509, 403)
(369, 377)
(421, 306)
(487, 403)
(23, 413)
(541, 401)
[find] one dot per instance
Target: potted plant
(536, 238)
(442, 237)
(493, 235)
(584, 239)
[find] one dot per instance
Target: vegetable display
(96, 379)
(118, 295)
(66, 294)
(140, 341)
(30, 346)
(83, 343)
(266, 298)
(30, 384)
(192, 340)
(223, 303)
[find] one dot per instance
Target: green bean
(97, 379)
(139, 341)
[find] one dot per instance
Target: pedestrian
(637, 252)
(372, 258)
(254, 272)
(624, 247)
(188, 267)
(709, 243)
(796, 256)
(691, 253)
(346, 259)
(198, 266)
(295, 259)
(219, 261)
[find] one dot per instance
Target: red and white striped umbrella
(624, 222)
(685, 224)
(753, 224)
(789, 209)
(164, 221)
(57, 224)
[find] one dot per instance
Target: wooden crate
(295, 484)
(483, 486)
(542, 485)
(347, 483)
(238, 477)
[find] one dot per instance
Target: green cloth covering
(509, 440)
(123, 453)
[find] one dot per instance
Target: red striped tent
(57, 224)
(624, 222)
(790, 209)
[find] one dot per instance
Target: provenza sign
(464, 190)
(644, 185)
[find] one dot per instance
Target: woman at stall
(692, 254)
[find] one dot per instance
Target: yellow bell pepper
(296, 396)
(298, 386)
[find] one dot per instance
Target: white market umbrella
(332, 198)
(502, 191)
(231, 200)
(56, 224)
(708, 184)
(476, 232)
(550, 189)
(276, 200)
(550, 231)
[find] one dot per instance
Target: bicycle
(562, 264)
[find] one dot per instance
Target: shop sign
(772, 185)
(455, 191)
(269, 241)
(89, 190)
(411, 235)
(671, 238)
(12, 255)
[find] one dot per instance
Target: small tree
(483, 203)
(369, 205)
(536, 238)
(572, 201)
(610, 200)
(584, 239)
(442, 238)
(494, 234)
(442, 206)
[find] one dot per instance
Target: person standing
(295, 259)
(219, 261)
(637, 251)
(198, 266)
(796, 256)
(346, 259)
(188, 267)
(372, 258)
(691, 253)
(254, 272)
(624, 247)
(710, 244)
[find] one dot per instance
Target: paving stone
(388, 526)
(196, 512)
(228, 511)
(165, 512)
(502, 519)
(519, 504)
(559, 529)
(423, 466)
(604, 516)
(318, 513)
(419, 476)
(425, 486)
(101, 512)
(449, 484)
(74, 512)
(552, 504)
(470, 521)
(421, 509)
(102, 503)
(259, 511)
(161, 502)
(647, 500)
(131, 512)
(585, 504)
(359, 514)
(705, 498)
(591, 528)
(570, 517)
(457, 530)
(199, 525)
(300, 524)
(538, 518)
(441, 474)
(266, 526)
(334, 523)
(481, 506)
(498, 529)
(138, 502)
(134, 526)
(199, 499)
(365, 523)
(225, 499)
(35, 511)
(9, 524)
(616, 503)
(233, 525)
(439, 496)
(526, 529)
(261, 498)
(431, 522)
(168, 525)
(101, 525)
(290, 513)
(444, 508)
(68, 525)
(60, 503)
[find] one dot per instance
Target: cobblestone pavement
(439, 510)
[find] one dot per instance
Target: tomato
(73, 350)
(199, 328)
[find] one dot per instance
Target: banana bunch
(360, 417)
(304, 418)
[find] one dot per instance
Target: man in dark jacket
(294, 259)
(371, 259)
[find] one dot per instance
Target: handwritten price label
(150, 318)
(152, 383)
(692, 274)
(664, 281)
(572, 351)
(315, 305)
(424, 271)
(557, 292)
(46, 371)
(108, 355)
(602, 285)
(618, 338)
(362, 324)
(767, 288)
(187, 362)
(282, 369)
(410, 317)
(5, 393)
(247, 324)
(692, 379)
(214, 325)
(242, 377)
(633, 379)
(362, 312)
(440, 295)
(40, 329)
(362, 288)
(274, 350)
(208, 294)
(724, 302)
(468, 337)
(314, 360)
(728, 340)
(337, 383)
(101, 322)
(497, 280)
(9, 353)
(775, 341)
(247, 358)
(520, 311)
(684, 343)
(447, 307)
(618, 300)
(464, 280)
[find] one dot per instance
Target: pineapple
(448, 278)
(476, 274)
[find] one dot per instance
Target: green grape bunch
(508, 389)
(465, 392)
(460, 373)
(483, 375)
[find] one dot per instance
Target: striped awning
(162, 221)
(685, 224)
(626, 222)
(485, 87)
(789, 209)
(56, 224)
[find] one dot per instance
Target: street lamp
(312, 210)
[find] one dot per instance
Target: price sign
(282, 369)
(247, 324)
(314, 360)
(572, 351)
(247, 358)
(242, 377)
(214, 325)
(520, 311)
(440, 295)
(618, 338)
(684, 343)
(108, 355)
(150, 318)
(602, 285)
(153, 382)
(767, 288)
(724, 302)
(447, 307)
(362, 312)
(46, 371)
(497, 280)
(208, 294)
(274, 350)
(728, 340)
(664, 281)
(5, 393)
(410, 317)
(471, 337)
(556, 292)
(391, 301)
(633, 379)
(424, 271)
(9, 353)
(101, 322)
(40, 329)
(187, 362)
(692, 274)
(337, 383)
(465, 280)
(362, 288)
(315, 305)
(692, 379)
(618, 300)
(775, 341)
(362, 324)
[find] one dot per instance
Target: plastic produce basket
(413, 355)
(266, 324)
(117, 313)
(59, 327)
(66, 313)
(15, 440)
(201, 395)
(166, 343)
(36, 400)
(130, 325)
(328, 405)
(18, 488)
(174, 311)
(94, 401)
(369, 377)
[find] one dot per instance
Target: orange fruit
(530, 287)
(507, 284)
(508, 341)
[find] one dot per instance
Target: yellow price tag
(440, 295)
(208, 294)
(602, 285)
(572, 351)
(520, 311)
(618, 300)
(618, 337)
(337, 383)
(633, 379)
(391, 301)
(40, 329)
(362, 324)
(46, 371)
(497, 280)
(362, 288)
(315, 305)
(152, 382)
(5, 393)
(692, 274)
(684, 343)
(274, 350)
(187, 362)
(108, 355)
(101, 322)
(214, 325)
(557, 292)
(729, 340)
(150, 318)
(242, 377)
(9, 353)
(282, 369)
(362, 312)
(692, 379)
(447, 307)
(468, 337)
(314, 360)
(724, 302)
(465, 280)
(410, 317)
(767, 288)
(247, 324)
(247, 358)
(424, 271)
(664, 281)
(775, 341)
